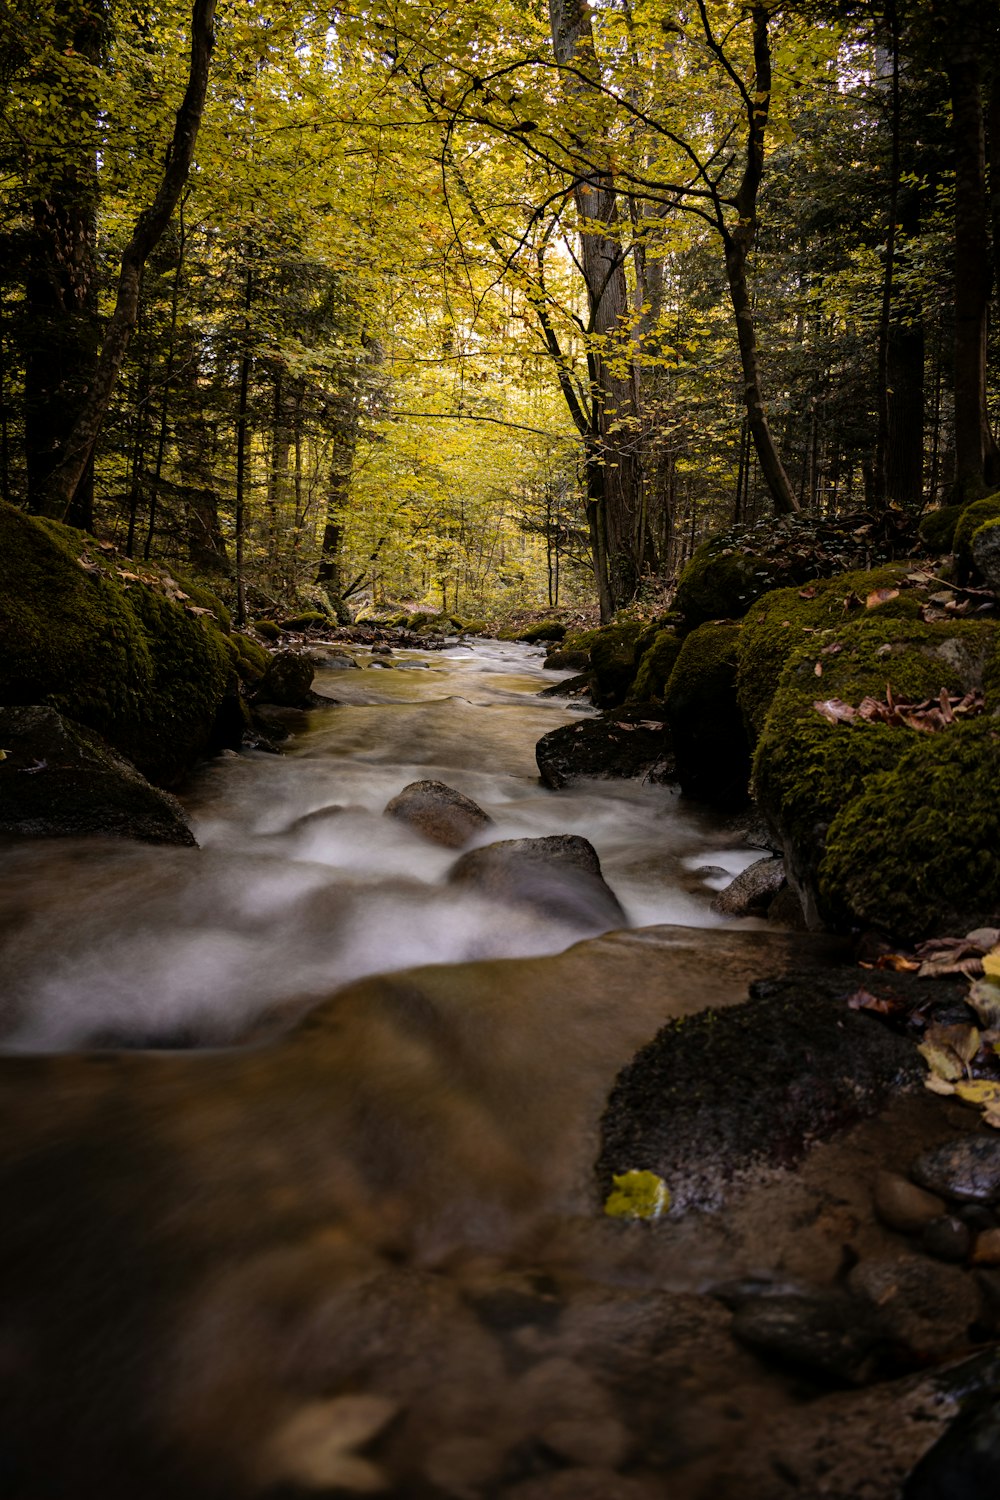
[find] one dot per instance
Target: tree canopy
(474, 306)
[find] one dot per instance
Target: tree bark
(76, 453)
(977, 460)
(737, 244)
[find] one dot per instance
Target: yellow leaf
(938, 1085)
(991, 963)
(638, 1195)
(979, 1091)
(941, 1061)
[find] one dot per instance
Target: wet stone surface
(967, 1170)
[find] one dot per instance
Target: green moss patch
(917, 851)
(973, 516)
(700, 706)
(656, 662)
(937, 527)
(112, 653)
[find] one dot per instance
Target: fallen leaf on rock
(809, 593)
(984, 997)
(836, 711)
(991, 963)
(898, 963)
(942, 964)
(938, 1085)
(979, 1091)
(637, 1195)
(880, 596)
(818, 669)
(992, 1117)
(862, 1000)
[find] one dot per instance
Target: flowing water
(301, 884)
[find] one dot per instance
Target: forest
(475, 307)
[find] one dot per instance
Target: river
(301, 883)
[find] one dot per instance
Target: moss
(269, 630)
(973, 516)
(806, 770)
(542, 630)
(249, 659)
(918, 850)
(308, 620)
(713, 759)
(783, 622)
(656, 662)
(612, 656)
(203, 597)
(126, 662)
(937, 527)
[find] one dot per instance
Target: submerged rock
(756, 1085)
(967, 1169)
(439, 812)
(58, 780)
(823, 1333)
(631, 741)
(559, 876)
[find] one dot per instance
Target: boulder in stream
(559, 876)
(753, 890)
(628, 742)
(287, 681)
(439, 812)
(58, 779)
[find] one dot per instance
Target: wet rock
(753, 890)
(567, 661)
(825, 1334)
(559, 876)
(631, 741)
(579, 686)
(57, 780)
(967, 1169)
(439, 812)
(582, 1484)
(714, 1095)
(287, 681)
(786, 909)
(926, 1306)
(903, 1206)
(278, 723)
(987, 1248)
(332, 661)
(946, 1238)
(965, 1463)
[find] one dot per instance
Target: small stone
(903, 1206)
(826, 1335)
(967, 1169)
(439, 812)
(924, 1306)
(602, 1444)
(987, 1248)
(977, 1216)
(753, 890)
(946, 1238)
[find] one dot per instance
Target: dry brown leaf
(880, 596)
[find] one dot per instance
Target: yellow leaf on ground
(979, 1091)
(991, 963)
(938, 1085)
(942, 1061)
(637, 1195)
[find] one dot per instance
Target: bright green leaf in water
(638, 1195)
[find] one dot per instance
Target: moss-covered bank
(87, 636)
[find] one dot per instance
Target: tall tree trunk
(737, 244)
(617, 501)
(76, 453)
(904, 370)
(61, 281)
(977, 459)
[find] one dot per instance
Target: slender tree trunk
(242, 444)
(56, 495)
(168, 376)
(615, 428)
(977, 460)
(737, 244)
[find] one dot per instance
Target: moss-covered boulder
(109, 644)
(786, 620)
(972, 518)
(268, 630)
(58, 780)
(937, 527)
(986, 553)
(248, 657)
(542, 630)
(728, 572)
(706, 726)
(918, 850)
(309, 619)
(612, 657)
(808, 770)
(656, 662)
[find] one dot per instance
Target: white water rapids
(109, 943)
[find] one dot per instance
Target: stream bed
(297, 1147)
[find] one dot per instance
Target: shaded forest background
(477, 306)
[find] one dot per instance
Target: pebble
(827, 1335)
(967, 1169)
(924, 1306)
(987, 1249)
(946, 1238)
(903, 1206)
